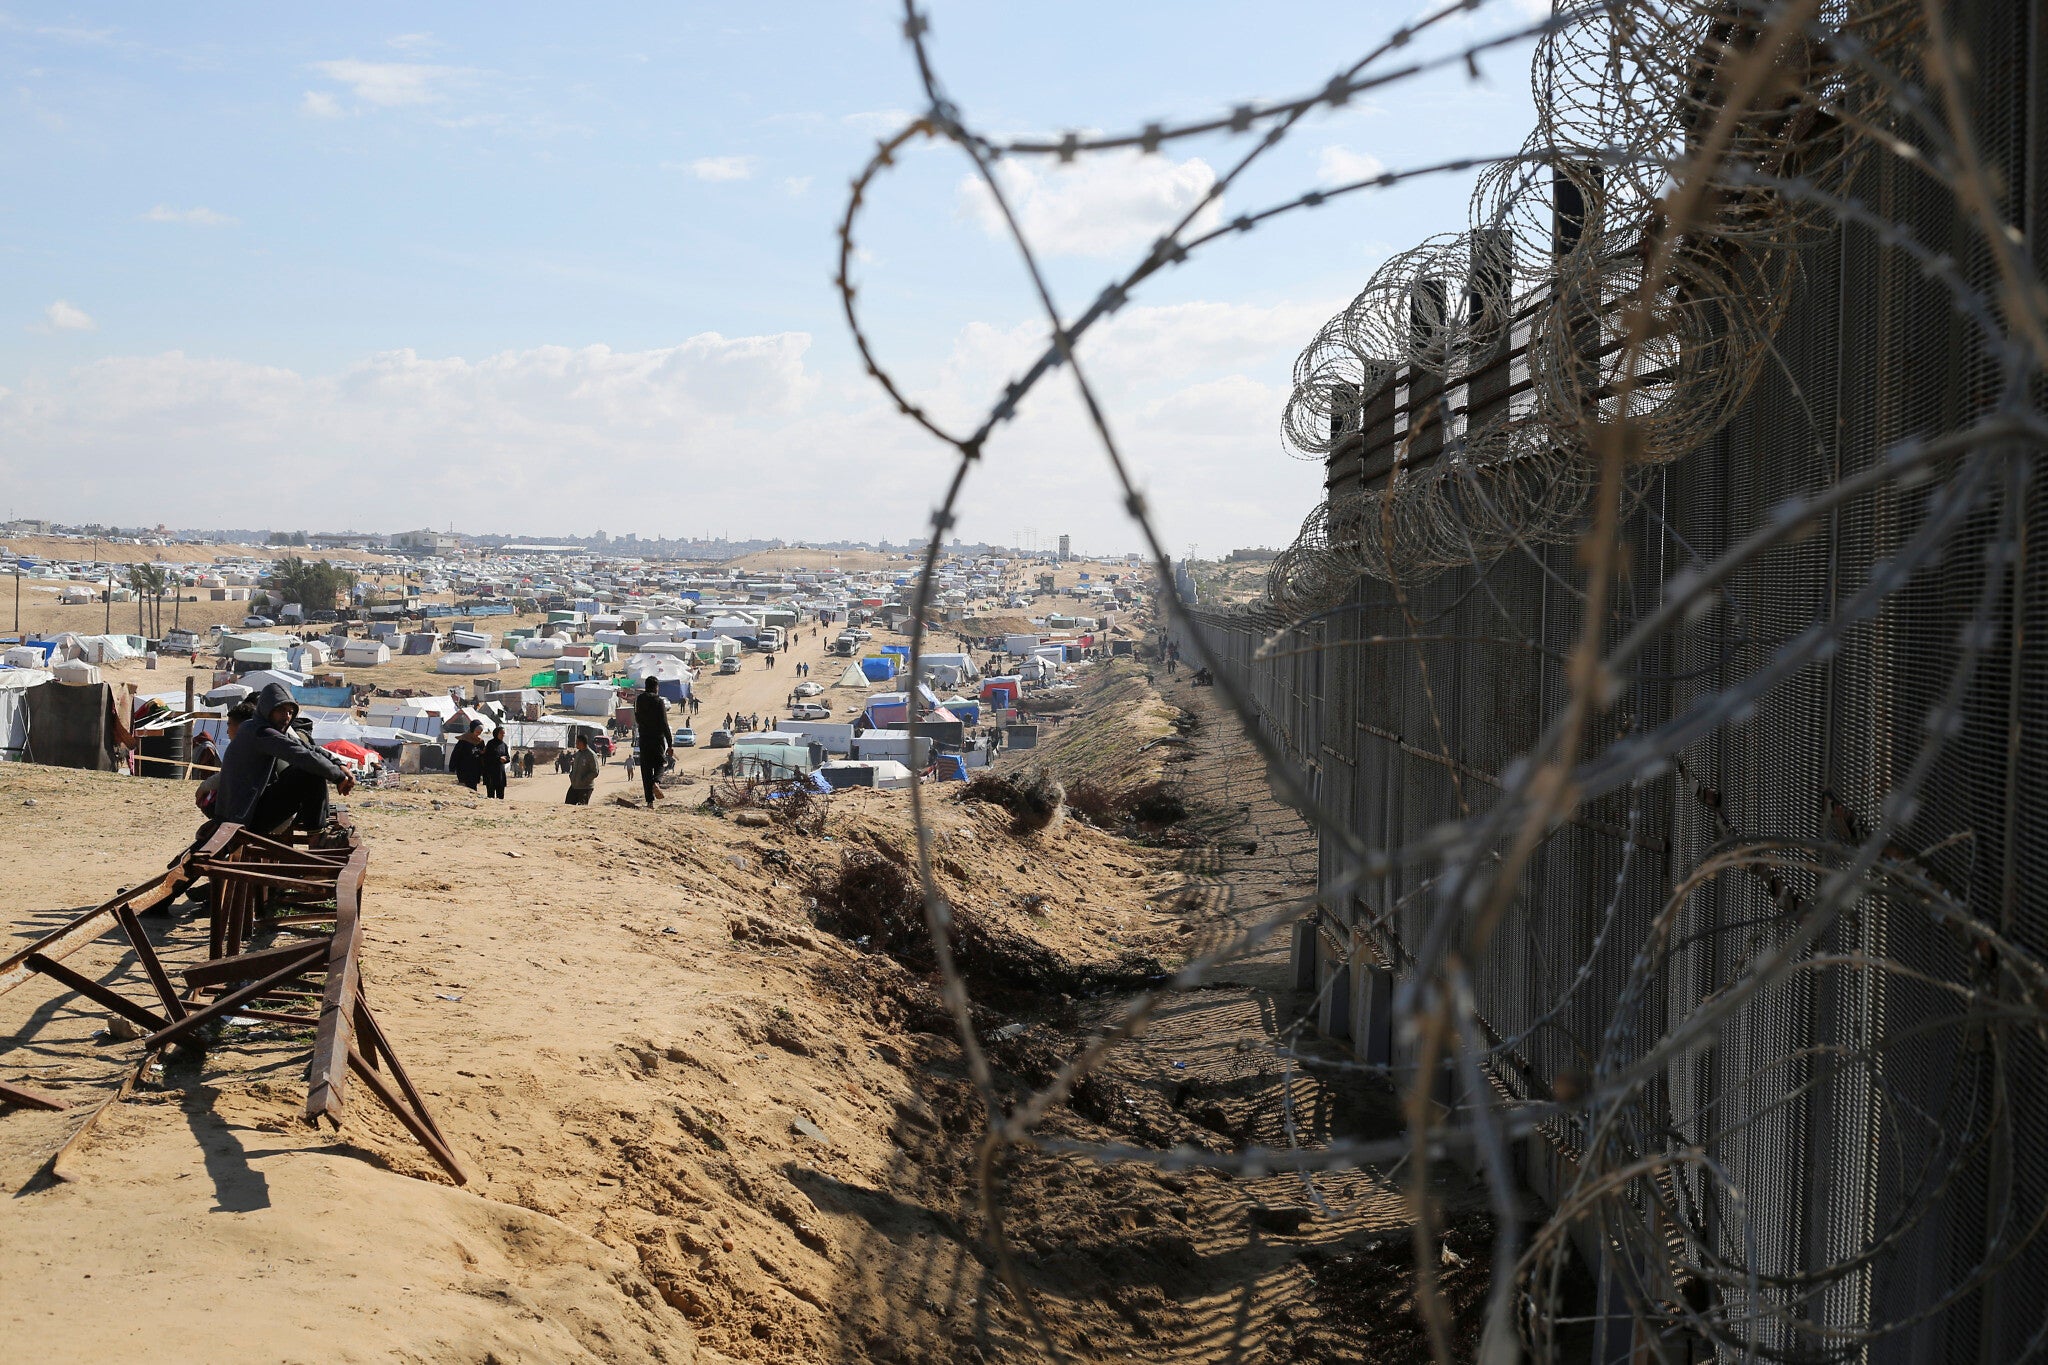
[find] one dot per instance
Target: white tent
(853, 677)
(467, 661)
(14, 683)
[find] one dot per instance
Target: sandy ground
(701, 1128)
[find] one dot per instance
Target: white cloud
(878, 123)
(418, 42)
(1102, 205)
(320, 104)
(389, 85)
(701, 428)
(68, 317)
(796, 185)
(1342, 166)
(722, 167)
(202, 217)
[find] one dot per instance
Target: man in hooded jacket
(273, 777)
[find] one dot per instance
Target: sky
(553, 269)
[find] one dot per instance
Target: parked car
(257, 621)
(810, 710)
(720, 739)
(809, 689)
(686, 738)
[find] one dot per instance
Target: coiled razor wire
(1635, 255)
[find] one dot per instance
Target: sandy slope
(700, 1128)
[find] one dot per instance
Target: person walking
(582, 773)
(467, 759)
(630, 761)
(497, 758)
(650, 720)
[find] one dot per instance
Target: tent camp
(854, 678)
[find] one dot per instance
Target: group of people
(741, 724)
(479, 761)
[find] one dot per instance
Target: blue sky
(550, 268)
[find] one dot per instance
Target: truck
(770, 639)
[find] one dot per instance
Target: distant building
(1066, 548)
(1259, 556)
(25, 526)
(344, 540)
(427, 542)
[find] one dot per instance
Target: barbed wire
(1615, 299)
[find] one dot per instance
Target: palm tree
(147, 582)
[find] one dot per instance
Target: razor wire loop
(1628, 269)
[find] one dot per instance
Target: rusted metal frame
(28, 1098)
(152, 966)
(247, 966)
(60, 1161)
(372, 1032)
(227, 1004)
(61, 943)
(278, 1017)
(298, 851)
(327, 1076)
(413, 1122)
(93, 990)
(244, 872)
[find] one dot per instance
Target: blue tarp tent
(878, 669)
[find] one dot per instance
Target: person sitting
(204, 755)
(208, 794)
(273, 776)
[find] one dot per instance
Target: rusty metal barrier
(253, 885)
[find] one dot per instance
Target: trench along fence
(1663, 669)
(306, 891)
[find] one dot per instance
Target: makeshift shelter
(364, 653)
(878, 667)
(256, 679)
(526, 703)
(673, 678)
(468, 661)
(76, 673)
(98, 649)
(854, 677)
(71, 726)
(420, 642)
(542, 648)
(14, 686)
(884, 773)
(353, 756)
